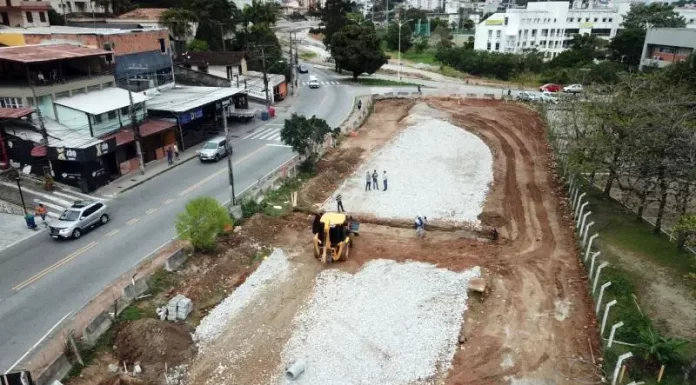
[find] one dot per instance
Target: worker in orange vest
(42, 212)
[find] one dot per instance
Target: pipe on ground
(295, 370)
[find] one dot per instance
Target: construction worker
(339, 203)
(420, 226)
(42, 212)
(368, 180)
(375, 183)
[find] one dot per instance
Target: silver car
(79, 218)
(214, 149)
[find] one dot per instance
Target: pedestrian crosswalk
(55, 201)
(325, 83)
(270, 132)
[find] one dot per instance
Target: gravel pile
(435, 169)
(391, 323)
(274, 269)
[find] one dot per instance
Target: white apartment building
(427, 5)
(550, 26)
(64, 7)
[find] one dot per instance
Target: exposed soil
(152, 341)
(536, 312)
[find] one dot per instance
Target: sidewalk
(13, 229)
(157, 167)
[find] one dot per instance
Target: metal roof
(70, 30)
(15, 113)
(99, 102)
(48, 52)
(185, 98)
(143, 14)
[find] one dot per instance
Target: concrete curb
(148, 177)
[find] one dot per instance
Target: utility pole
(400, 24)
(265, 78)
(230, 170)
(136, 129)
(42, 126)
(292, 61)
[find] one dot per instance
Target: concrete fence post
(613, 332)
(619, 362)
(587, 231)
(606, 313)
(594, 257)
(581, 218)
(596, 278)
(577, 205)
(589, 246)
(605, 285)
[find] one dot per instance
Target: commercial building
(80, 7)
(69, 113)
(550, 26)
(24, 14)
(665, 46)
(143, 54)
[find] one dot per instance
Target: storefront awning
(186, 98)
(147, 128)
(15, 113)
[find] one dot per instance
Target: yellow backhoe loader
(333, 236)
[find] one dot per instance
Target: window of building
(138, 106)
(497, 34)
(31, 101)
(506, 20)
(497, 46)
(490, 33)
(691, 21)
(587, 20)
(64, 94)
(93, 88)
(30, 17)
(163, 47)
(111, 115)
(596, 19)
(488, 46)
(554, 20)
(124, 111)
(11, 102)
(97, 119)
(42, 16)
(569, 20)
(610, 19)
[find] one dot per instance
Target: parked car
(527, 96)
(214, 149)
(573, 88)
(550, 87)
(79, 218)
(547, 97)
(302, 69)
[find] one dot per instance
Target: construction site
(492, 292)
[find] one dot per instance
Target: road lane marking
(132, 221)
(278, 145)
(168, 201)
(219, 172)
(150, 211)
(38, 342)
(112, 233)
(53, 267)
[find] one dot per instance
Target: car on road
(214, 149)
(548, 97)
(313, 82)
(527, 96)
(550, 87)
(82, 216)
(573, 88)
(302, 69)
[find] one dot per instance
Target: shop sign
(190, 116)
(82, 154)
(494, 22)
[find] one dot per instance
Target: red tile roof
(15, 113)
(42, 53)
(143, 14)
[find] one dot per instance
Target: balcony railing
(51, 80)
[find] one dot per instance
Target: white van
(313, 82)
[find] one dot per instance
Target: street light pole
(136, 129)
(21, 196)
(399, 70)
(230, 170)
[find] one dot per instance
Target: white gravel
(435, 169)
(391, 323)
(274, 269)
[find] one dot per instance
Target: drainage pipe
(295, 370)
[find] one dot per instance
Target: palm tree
(178, 20)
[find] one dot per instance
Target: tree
(469, 24)
(357, 48)
(627, 46)
(444, 37)
(118, 7)
(333, 18)
(178, 21)
(197, 45)
(393, 36)
(421, 44)
(54, 18)
(200, 223)
(306, 136)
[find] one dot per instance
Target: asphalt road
(42, 280)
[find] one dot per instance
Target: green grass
(385, 82)
(426, 56)
(160, 280)
(308, 55)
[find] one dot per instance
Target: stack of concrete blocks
(179, 308)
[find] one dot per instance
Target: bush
(203, 219)
(251, 207)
